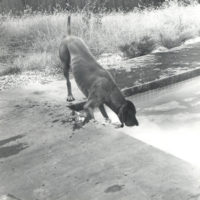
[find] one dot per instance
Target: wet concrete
(13, 149)
(114, 188)
(12, 197)
(5, 141)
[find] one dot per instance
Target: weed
(34, 38)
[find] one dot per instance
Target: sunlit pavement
(170, 120)
(42, 158)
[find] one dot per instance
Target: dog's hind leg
(65, 58)
(68, 83)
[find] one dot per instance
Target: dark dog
(94, 81)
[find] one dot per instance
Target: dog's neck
(78, 49)
(114, 108)
(116, 103)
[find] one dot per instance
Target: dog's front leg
(68, 83)
(104, 113)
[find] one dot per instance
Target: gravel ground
(18, 80)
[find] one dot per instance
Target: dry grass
(34, 38)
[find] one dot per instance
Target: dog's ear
(130, 106)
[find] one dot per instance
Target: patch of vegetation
(10, 70)
(34, 38)
(138, 48)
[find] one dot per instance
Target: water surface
(155, 66)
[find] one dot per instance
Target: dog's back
(77, 48)
(85, 68)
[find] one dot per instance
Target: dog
(94, 81)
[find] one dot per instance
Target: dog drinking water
(94, 81)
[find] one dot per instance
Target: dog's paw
(117, 125)
(94, 121)
(86, 120)
(108, 121)
(70, 98)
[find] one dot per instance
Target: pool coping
(159, 83)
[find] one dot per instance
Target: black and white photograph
(99, 99)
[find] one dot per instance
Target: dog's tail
(69, 25)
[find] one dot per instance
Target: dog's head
(127, 114)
